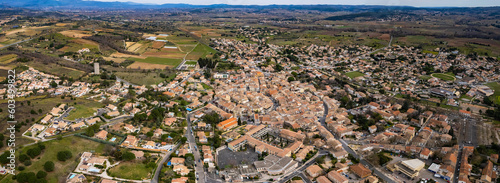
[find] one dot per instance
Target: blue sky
(416, 3)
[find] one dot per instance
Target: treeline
(207, 62)
(109, 41)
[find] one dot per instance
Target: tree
(64, 155)
(4, 157)
(128, 156)
(290, 79)
(34, 152)
(150, 134)
(41, 174)
(48, 166)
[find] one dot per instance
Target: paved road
(299, 171)
(5, 46)
(200, 170)
(160, 165)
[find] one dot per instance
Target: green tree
(128, 156)
(41, 174)
(48, 166)
(64, 155)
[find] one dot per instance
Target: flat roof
(414, 164)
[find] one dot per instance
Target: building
(322, 179)
(96, 68)
(103, 134)
(410, 167)
(360, 170)
(274, 165)
(314, 170)
(335, 177)
(227, 124)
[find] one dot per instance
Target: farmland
(496, 96)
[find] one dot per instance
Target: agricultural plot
(75, 33)
(496, 96)
(7, 58)
(77, 44)
(200, 51)
(158, 60)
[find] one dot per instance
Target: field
(74, 144)
(443, 76)
(496, 96)
(56, 69)
(354, 74)
(141, 78)
(200, 51)
(123, 170)
(158, 60)
(84, 109)
(7, 58)
(75, 33)
(77, 44)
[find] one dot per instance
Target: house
(425, 153)
(130, 128)
(314, 170)
(113, 113)
(360, 170)
(76, 178)
(181, 169)
(55, 111)
(158, 132)
(78, 126)
(322, 179)
(130, 141)
(138, 154)
(169, 121)
(335, 177)
(93, 121)
(180, 180)
(46, 119)
(372, 129)
(103, 134)
(111, 107)
(177, 161)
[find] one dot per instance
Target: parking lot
(228, 158)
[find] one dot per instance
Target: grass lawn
(191, 62)
(157, 60)
(206, 87)
(74, 144)
(444, 76)
(354, 74)
(425, 77)
(84, 109)
(496, 96)
(123, 170)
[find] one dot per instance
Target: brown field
(114, 59)
(134, 47)
(123, 55)
(31, 31)
(127, 44)
(158, 44)
(386, 37)
(84, 41)
(6, 67)
(164, 55)
(75, 33)
(142, 65)
(148, 35)
(63, 49)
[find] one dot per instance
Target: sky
(416, 3)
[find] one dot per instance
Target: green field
(191, 62)
(354, 74)
(200, 51)
(83, 109)
(74, 144)
(496, 96)
(55, 69)
(141, 78)
(206, 87)
(425, 77)
(5, 59)
(443, 76)
(157, 60)
(123, 170)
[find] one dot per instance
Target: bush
(23, 157)
(128, 156)
(64, 155)
(34, 152)
(48, 166)
(27, 162)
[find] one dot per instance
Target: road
(300, 171)
(5, 46)
(200, 170)
(350, 151)
(160, 165)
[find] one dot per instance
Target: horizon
(419, 4)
